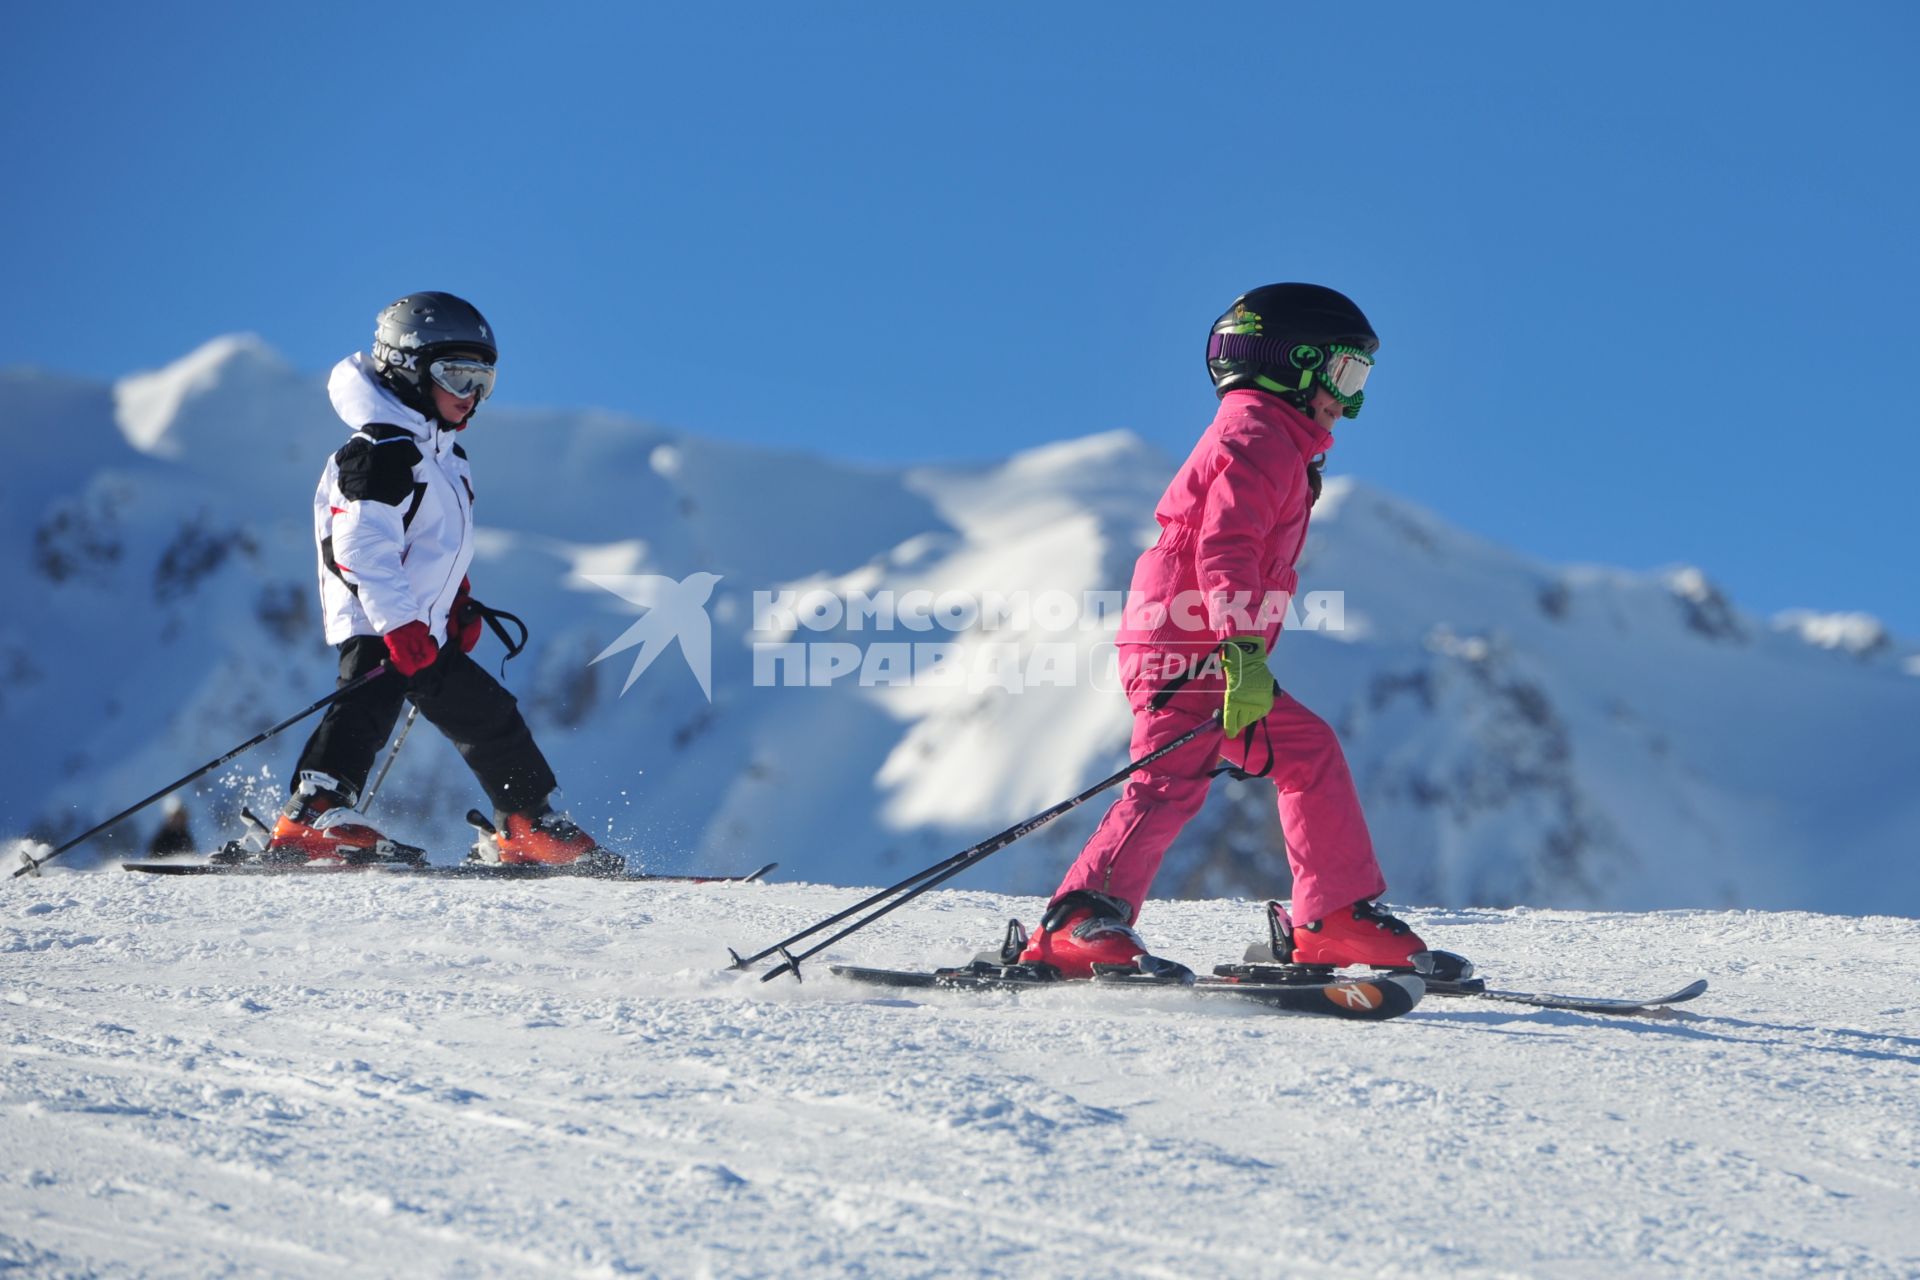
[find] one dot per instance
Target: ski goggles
(463, 378)
(1342, 370)
(1345, 375)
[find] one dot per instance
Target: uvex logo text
(395, 357)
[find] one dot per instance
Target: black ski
(457, 871)
(1453, 977)
(1371, 999)
(1443, 972)
(1576, 1004)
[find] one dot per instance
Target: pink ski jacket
(1232, 526)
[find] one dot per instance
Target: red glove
(463, 620)
(412, 647)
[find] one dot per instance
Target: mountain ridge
(1523, 732)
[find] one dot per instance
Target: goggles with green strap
(1342, 370)
(1345, 376)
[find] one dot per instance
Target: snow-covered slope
(1522, 732)
(380, 1078)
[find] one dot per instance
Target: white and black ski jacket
(393, 515)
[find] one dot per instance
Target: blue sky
(1644, 274)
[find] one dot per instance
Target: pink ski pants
(1327, 842)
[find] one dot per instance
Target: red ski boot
(1360, 934)
(545, 837)
(1081, 930)
(319, 824)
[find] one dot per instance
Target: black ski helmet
(415, 330)
(1280, 337)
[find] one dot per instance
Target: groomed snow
(221, 1077)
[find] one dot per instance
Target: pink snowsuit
(1232, 525)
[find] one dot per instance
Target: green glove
(1250, 686)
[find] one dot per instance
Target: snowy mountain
(1522, 732)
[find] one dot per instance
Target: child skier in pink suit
(1288, 361)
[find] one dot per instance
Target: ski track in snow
(233, 1078)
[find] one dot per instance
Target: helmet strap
(1299, 397)
(419, 398)
(409, 394)
(1282, 389)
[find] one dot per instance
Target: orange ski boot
(319, 824)
(545, 837)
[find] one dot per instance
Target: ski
(1444, 973)
(1575, 1004)
(457, 871)
(1371, 999)
(1453, 977)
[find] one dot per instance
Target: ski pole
(413, 710)
(32, 864)
(921, 881)
(965, 857)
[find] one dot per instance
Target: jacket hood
(359, 397)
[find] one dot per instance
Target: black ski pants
(457, 697)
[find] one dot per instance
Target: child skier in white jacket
(393, 520)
